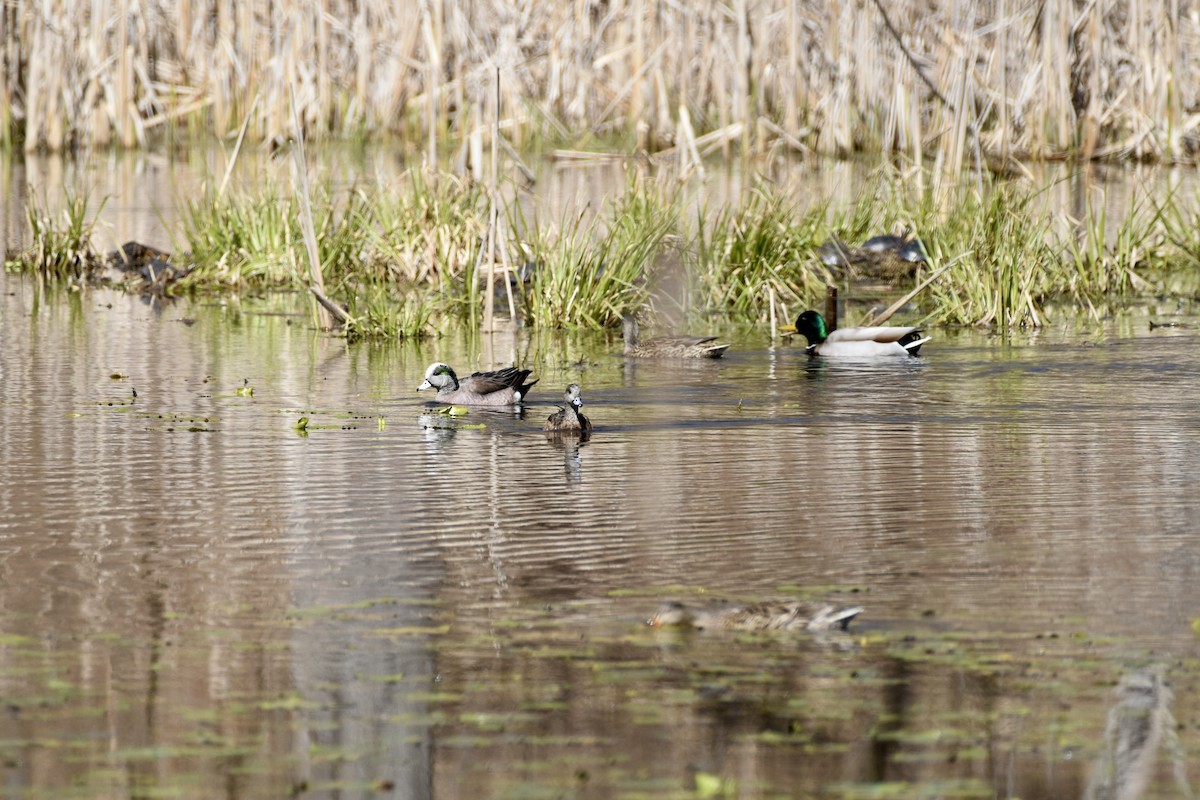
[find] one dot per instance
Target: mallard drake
(874, 342)
(568, 419)
(505, 387)
(772, 616)
(669, 346)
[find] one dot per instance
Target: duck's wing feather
(489, 382)
(679, 341)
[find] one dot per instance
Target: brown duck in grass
(505, 387)
(569, 419)
(669, 346)
(769, 616)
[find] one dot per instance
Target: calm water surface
(196, 600)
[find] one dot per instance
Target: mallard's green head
(812, 325)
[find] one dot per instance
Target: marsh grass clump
(590, 271)
(380, 313)
(256, 241)
(1180, 223)
(763, 248)
(1012, 258)
(61, 246)
(241, 239)
(999, 253)
(429, 234)
(1098, 268)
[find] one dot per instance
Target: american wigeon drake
(669, 346)
(858, 343)
(569, 419)
(770, 616)
(505, 387)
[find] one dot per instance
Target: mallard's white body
(876, 342)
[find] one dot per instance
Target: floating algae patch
(899, 790)
(347, 420)
(172, 423)
(418, 719)
(319, 752)
(374, 608)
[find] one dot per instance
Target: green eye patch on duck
(505, 387)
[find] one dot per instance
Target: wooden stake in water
(831, 308)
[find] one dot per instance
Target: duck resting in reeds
(505, 387)
(885, 257)
(669, 346)
(569, 419)
(880, 341)
(769, 616)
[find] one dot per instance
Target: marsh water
(198, 599)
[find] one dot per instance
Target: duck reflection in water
(569, 447)
(767, 616)
(1136, 727)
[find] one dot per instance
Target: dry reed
(947, 79)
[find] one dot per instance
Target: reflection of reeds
(950, 78)
(1137, 725)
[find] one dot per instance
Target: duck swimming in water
(669, 346)
(505, 387)
(569, 419)
(874, 342)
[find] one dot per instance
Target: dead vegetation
(956, 82)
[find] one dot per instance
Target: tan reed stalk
(224, 78)
(237, 148)
(686, 83)
(507, 270)
(6, 118)
(1002, 60)
(125, 105)
(325, 309)
(325, 94)
(791, 113)
(489, 301)
(34, 87)
(433, 68)
(637, 100)
(475, 142)
(1087, 78)
(55, 133)
(183, 34)
(743, 100)
(1174, 78)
